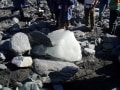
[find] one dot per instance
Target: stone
(41, 24)
(1, 86)
(58, 87)
(39, 83)
(107, 45)
(15, 27)
(6, 88)
(5, 44)
(65, 45)
(89, 51)
(20, 43)
(116, 51)
(31, 86)
(79, 33)
(84, 43)
(1, 33)
(44, 67)
(98, 40)
(45, 31)
(91, 46)
(2, 56)
(39, 50)
(21, 61)
(36, 38)
(3, 67)
(15, 20)
(107, 38)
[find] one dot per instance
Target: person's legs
(86, 13)
(101, 9)
(17, 6)
(38, 4)
(57, 17)
(21, 13)
(92, 19)
(113, 16)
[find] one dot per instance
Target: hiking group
(61, 11)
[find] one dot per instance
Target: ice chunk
(65, 45)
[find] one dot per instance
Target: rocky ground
(99, 69)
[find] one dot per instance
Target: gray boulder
(3, 67)
(44, 67)
(20, 43)
(38, 50)
(41, 24)
(36, 38)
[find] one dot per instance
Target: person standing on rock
(114, 7)
(18, 6)
(89, 6)
(65, 15)
(53, 6)
(102, 5)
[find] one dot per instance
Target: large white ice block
(66, 46)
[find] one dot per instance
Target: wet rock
(5, 44)
(41, 24)
(20, 43)
(44, 67)
(16, 27)
(21, 61)
(36, 38)
(109, 38)
(107, 45)
(116, 51)
(58, 87)
(65, 46)
(45, 31)
(3, 67)
(39, 50)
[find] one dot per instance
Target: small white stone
(15, 20)
(21, 61)
(89, 51)
(1, 86)
(91, 46)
